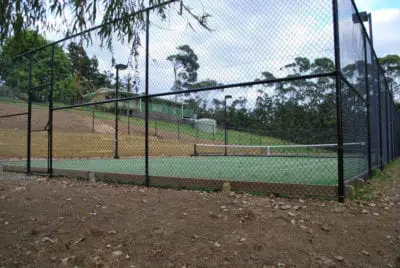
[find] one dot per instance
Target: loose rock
(366, 253)
(339, 258)
(117, 253)
(325, 228)
(216, 244)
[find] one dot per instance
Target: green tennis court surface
(314, 171)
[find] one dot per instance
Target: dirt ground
(59, 222)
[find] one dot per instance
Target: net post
(195, 150)
(268, 151)
(338, 100)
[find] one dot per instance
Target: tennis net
(295, 150)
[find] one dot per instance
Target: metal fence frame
(390, 114)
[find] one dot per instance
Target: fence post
(155, 127)
(146, 116)
(50, 130)
(178, 129)
(29, 126)
(338, 100)
(367, 90)
(129, 123)
(93, 121)
(387, 123)
(380, 118)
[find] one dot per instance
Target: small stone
(185, 214)
(142, 190)
(67, 260)
(231, 194)
(47, 239)
(325, 228)
(293, 221)
(92, 178)
(296, 207)
(53, 258)
(20, 188)
(372, 204)
(127, 257)
(195, 236)
(144, 200)
(303, 227)
(69, 199)
(366, 253)
(364, 211)
(291, 214)
(286, 207)
(388, 236)
(339, 258)
(112, 232)
(108, 246)
(375, 214)
(216, 244)
(301, 201)
(325, 262)
(242, 239)
(226, 187)
(117, 253)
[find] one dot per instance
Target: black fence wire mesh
(285, 98)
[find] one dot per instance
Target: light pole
(364, 18)
(118, 67)
(226, 123)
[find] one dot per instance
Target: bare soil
(59, 222)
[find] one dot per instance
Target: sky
(251, 37)
(386, 22)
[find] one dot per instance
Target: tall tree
(185, 65)
(391, 66)
(15, 73)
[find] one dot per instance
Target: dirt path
(51, 223)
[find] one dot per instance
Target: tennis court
(292, 170)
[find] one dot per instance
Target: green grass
(313, 171)
(380, 182)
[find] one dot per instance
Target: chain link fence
(284, 98)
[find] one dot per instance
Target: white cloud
(386, 31)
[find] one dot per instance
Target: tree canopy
(391, 66)
(185, 67)
(70, 17)
(75, 72)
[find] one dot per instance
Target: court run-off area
(293, 170)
